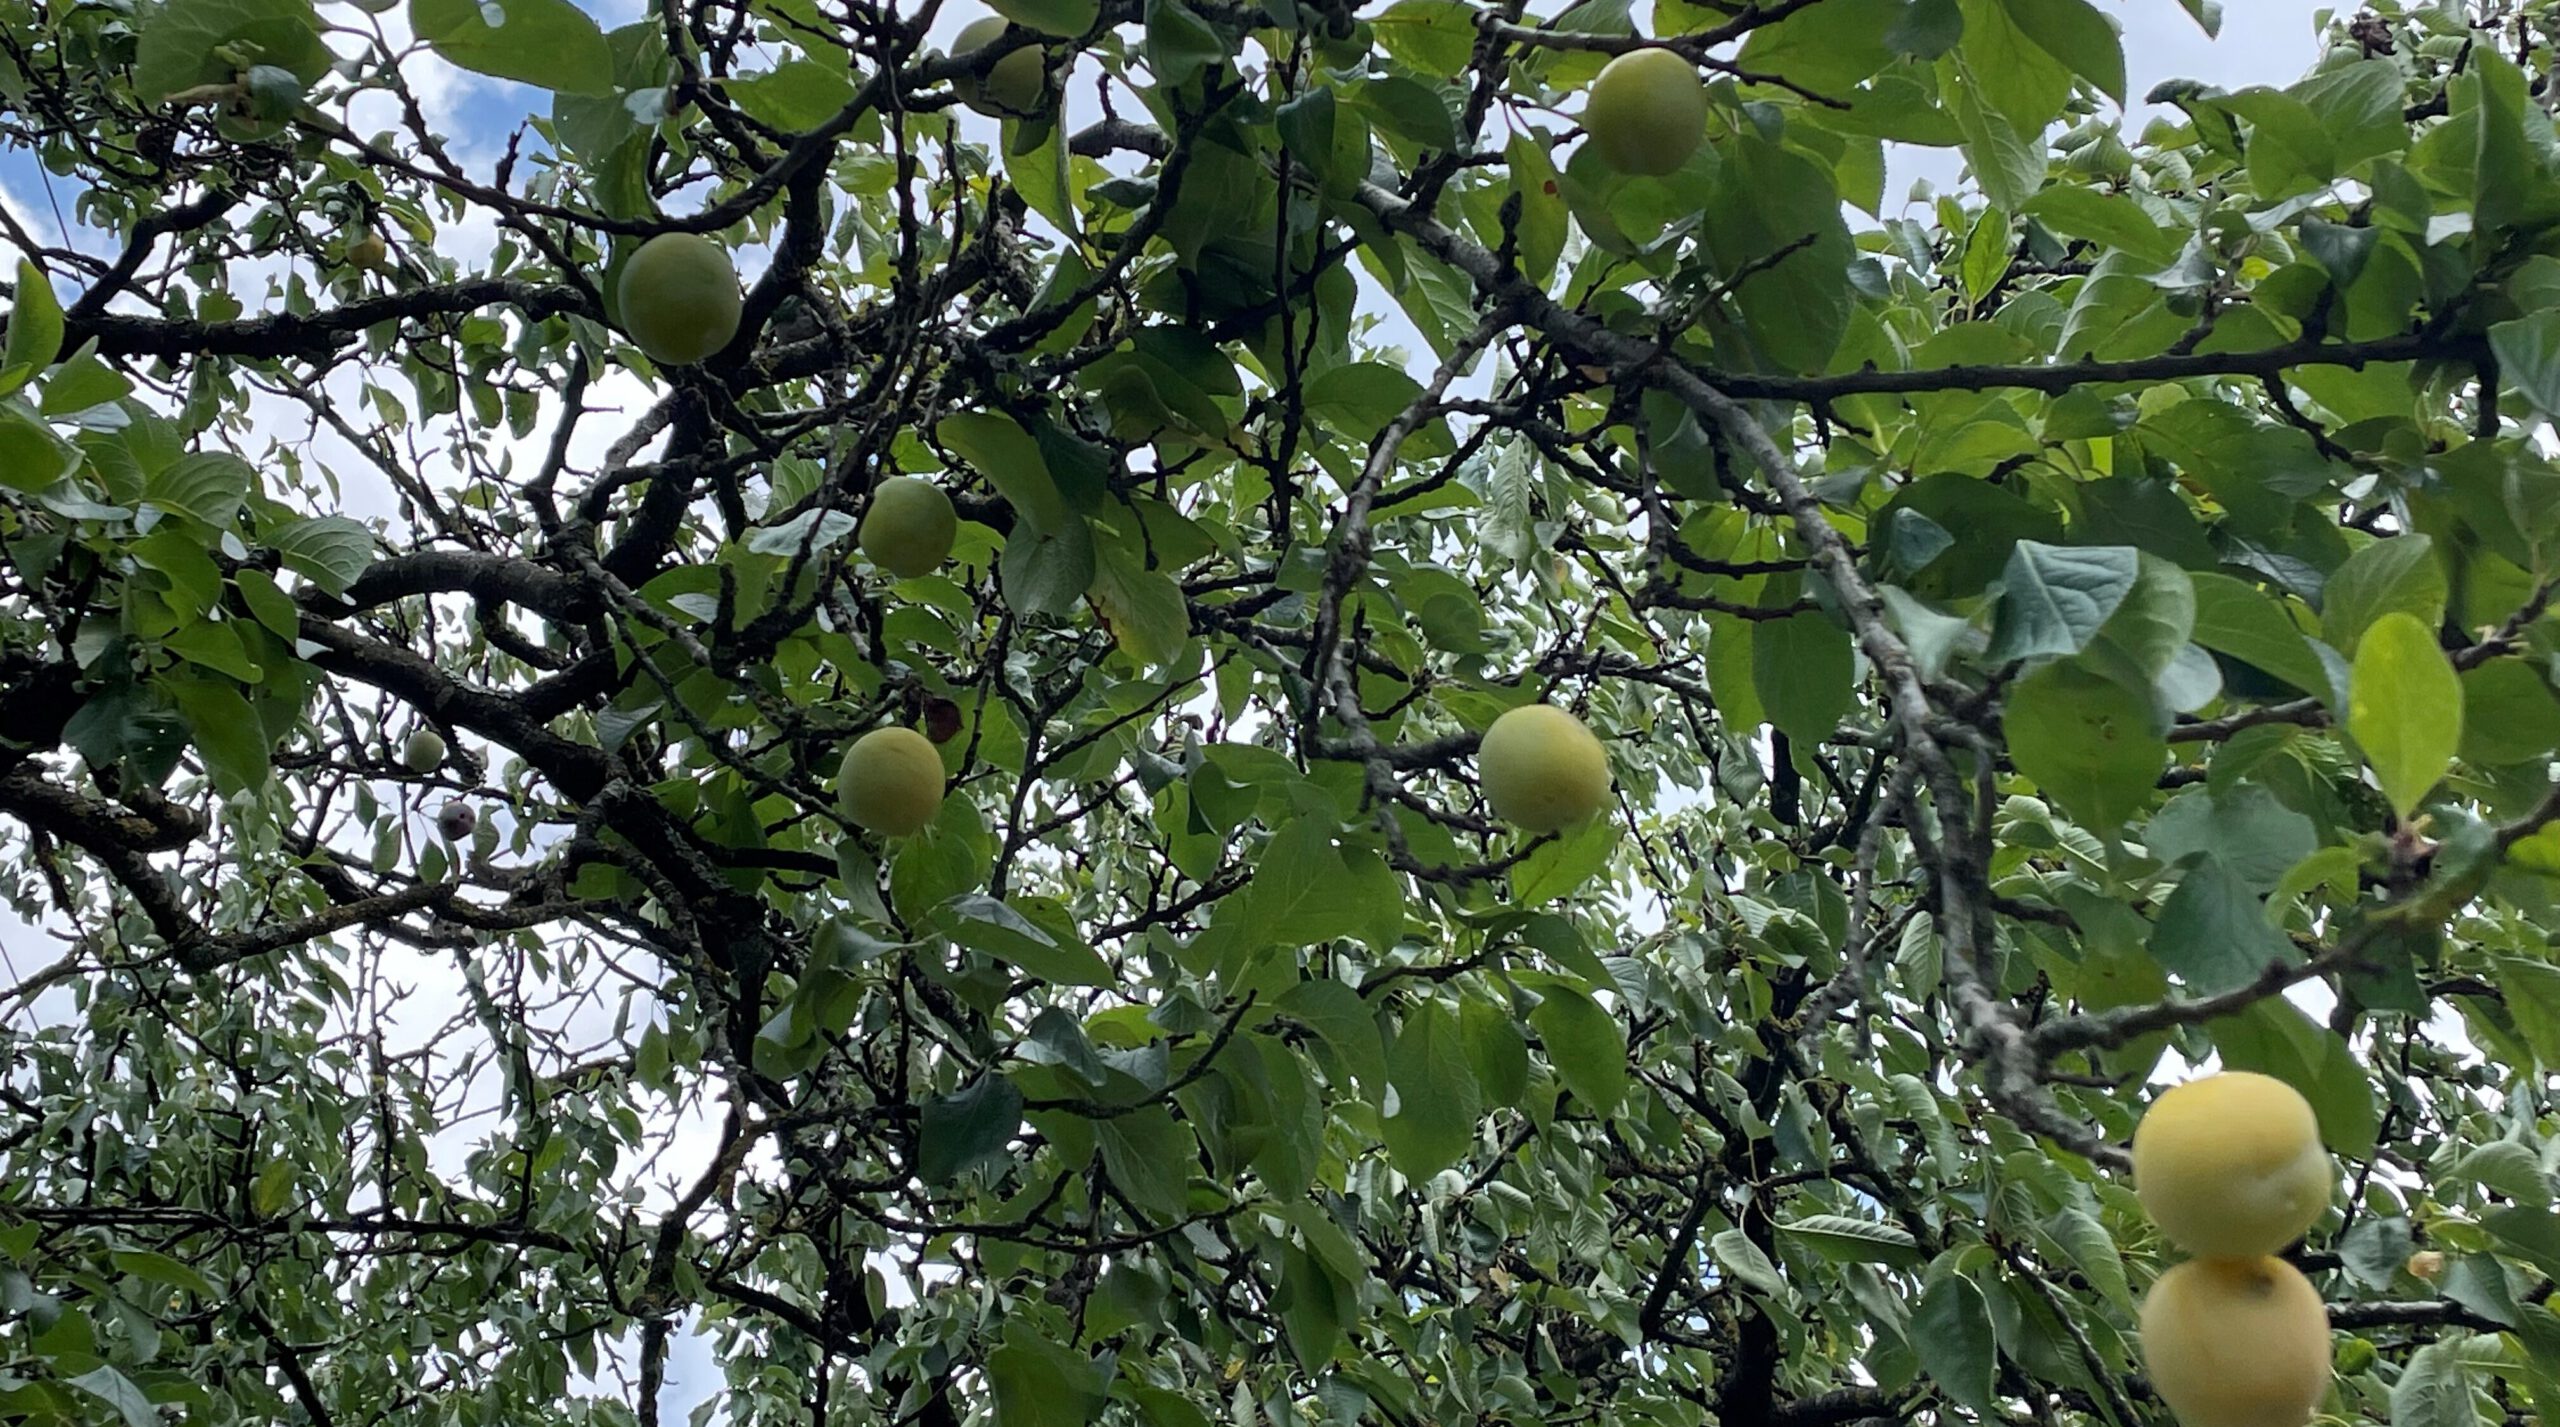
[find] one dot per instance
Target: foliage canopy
(2088, 620)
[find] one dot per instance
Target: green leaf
(226, 730)
(1048, 571)
(1743, 1261)
(207, 485)
(815, 530)
(1410, 110)
(2258, 838)
(118, 1392)
(2233, 617)
(2092, 1253)
(597, 127)
(2112, 219)
(1165, 1407)
(2527, 1233)
(2289, 149)
(1986, 255)
(949, 857)
(2528, 352)
(1307, 123)
(2400, 573)
(2359, 105)
(1436, 1100)
(328, 550)
(273, 1189)
(2509, 714)
(982, 923)
(184, 42)
(1933, 638)
(163, 1270)
(2144, 640)
(32, 458)
(1842, 1239)
(1495, 1051)
(1040, 1382)
(2404, 708)
(1585, 1044)
(1543, 215)
(1565, 865)
(1345, 1024)
(795, 96)
(2506, 172)
(956, 1131)
(35, 329)
(1927, 29)
(1143, 609)
(1359, 399)
(999, 449)
(2434, 1389)
(1296, 898)
(2090, 744)
(2008, 165)
(550, 44)
(1180, 44)
(2532, 994)
(209, 645)
(2213, 932)
(1803, 669)
(1730, 676)
(1952, 1334)
(82, 383)
(1433, 36)
(1774, 215)
(2074, 32)
(1314, 1309)
(2508, 1167)
(1149, 1156)
(1050, 17)
(2054, 598)
(1829, 49)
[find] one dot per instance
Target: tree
(2091, 626)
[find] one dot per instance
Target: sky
(2263, 42)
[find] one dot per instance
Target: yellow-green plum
(2236, 1343)
(2231, 1165)
(891, 782)
(423, 752)
(909, 527)
(368, 252)
(1542, 770)
(679, 298)
(1018, 86)
(1647, 112)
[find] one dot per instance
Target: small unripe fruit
(368, 253)
(1647, 112)
(2427, 1264)
(456, 820)
(2236, 1343)
(909, 528)
(679, 298)
(1542, 770)
(1016, 88)
(424, 752)
(891, 782)
(941, 719)
(2231, 1166)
